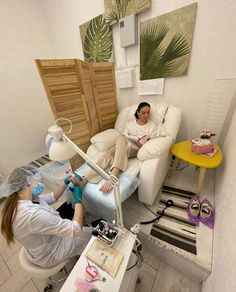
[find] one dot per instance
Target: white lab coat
(47, 238)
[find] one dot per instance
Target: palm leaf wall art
(117, 9)
(96, 37)
(165, 44)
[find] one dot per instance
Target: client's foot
(106, 187)
(78, 181)
(83, 182)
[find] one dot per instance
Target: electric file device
(106, 232)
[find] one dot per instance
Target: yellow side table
(183, 151)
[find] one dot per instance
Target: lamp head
(56, 132)
(59, 149)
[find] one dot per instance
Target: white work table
(125, 244)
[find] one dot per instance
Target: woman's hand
(144, 139)
(137, 143)
(74, 178)
(77, 182)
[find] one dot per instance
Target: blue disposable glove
(67, 180)
(77, 193)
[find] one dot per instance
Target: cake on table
(201, 146)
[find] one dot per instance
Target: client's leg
(104, 160)
(120, 162)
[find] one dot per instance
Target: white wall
(24, 111)
(25, 114)
(213, 51)
(223, 273)
(32, 29)
(64, 18)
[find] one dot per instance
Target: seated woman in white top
(28, 218)
(137, 132)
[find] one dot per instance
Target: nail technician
(28, 218)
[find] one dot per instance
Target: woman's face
(144, 113)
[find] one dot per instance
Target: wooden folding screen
(105, 94)
(88, 90)
(82, 92)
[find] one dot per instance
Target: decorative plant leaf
(117, 9)
(137, 6)
(151, 37)
(119, 12)
(178, 47)
(155, 60)
(112, 17)
(122, 7)
(98, 41)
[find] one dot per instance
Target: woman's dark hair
(8, 215)
(140, 106)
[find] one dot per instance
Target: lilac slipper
(207, 214)
(193, 210)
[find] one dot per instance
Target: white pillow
(154, 148)
(105, 140)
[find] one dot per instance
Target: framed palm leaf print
(117, 9)
(96, 38)
(165, 43)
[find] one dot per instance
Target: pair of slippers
(201, 211)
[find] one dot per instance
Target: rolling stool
(42, 273)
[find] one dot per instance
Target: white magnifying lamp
(62, 148)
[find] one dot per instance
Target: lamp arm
(113, 180)
(91, 163)
(119, 215)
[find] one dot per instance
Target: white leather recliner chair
(153, 158)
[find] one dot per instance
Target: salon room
(118, 160)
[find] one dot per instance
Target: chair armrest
(105, 140)
(172, 122)
(154, 148)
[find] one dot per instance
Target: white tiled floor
(155, 275)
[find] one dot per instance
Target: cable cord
(179, 167)
(169, 203)
(181, 164)
(138, 261)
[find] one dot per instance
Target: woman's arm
(44, 222)
(79, 214)
(59, 191)
(138, 144)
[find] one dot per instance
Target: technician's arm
(59, 191)
(79, 214)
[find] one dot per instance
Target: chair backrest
(37, 271)
(158, 111)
